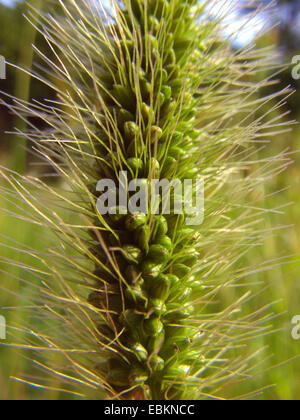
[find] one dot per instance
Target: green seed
(123, 95)
(140, 352)
(157, 363)
(158, 254)
(136, 296)
(179, 371)
(164, 241)
(160, 226)
(177, 87)
(177, 153)
(180, 270)
(196, 285)
(154, 23)
(150, 269)
(137, 375)
(135, 148)
(135, 221)
(131, 318)
(170, 166)
(194, 357)
(194, 133)
(153, 326)
(187, 292)
(156, 342)
(174, 280)
(191, 173)
(146, 89)
(169, 108)
(159, 287)
(145, 112)
(173, 71)
(142, 236)
(131, 130)
(177, 138)
(180, 294)
(183, 343)
(161, 99)
(186, 236)
(153, 42)
(157, 307)
(190, 258)
(133, 275)
(125, 116)
(171, 58)
(153, 165)
(177, 316)
(132, 253)
(155, 133)
(167, 91)
(135, 164)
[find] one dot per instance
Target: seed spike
(132, 299)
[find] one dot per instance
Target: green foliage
(153, 90)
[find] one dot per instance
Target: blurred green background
(283, 381)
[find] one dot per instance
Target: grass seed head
(149, 87)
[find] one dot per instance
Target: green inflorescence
(143, 303)
(153, 100)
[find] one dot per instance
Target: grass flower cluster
(142, 306)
